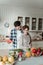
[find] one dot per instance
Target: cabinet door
(20, 18)
(40, 24)
(33, 23)
(27, 21)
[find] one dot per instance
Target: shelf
(35, 30)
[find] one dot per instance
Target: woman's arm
(30, 40)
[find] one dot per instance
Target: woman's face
(25, 31)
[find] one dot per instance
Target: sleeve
(30, 39)
(11, 35)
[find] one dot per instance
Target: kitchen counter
(32, 61)
(37, 43)
(5, 48)
(5, 45)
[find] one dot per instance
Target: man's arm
(11, 35)
(10, 38)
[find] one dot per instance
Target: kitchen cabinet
(37, 24)
(24, 20)
(40, 23)
(20, 18)
(27, 21)
(34, 23)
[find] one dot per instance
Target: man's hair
(17, 23)
(25, 26)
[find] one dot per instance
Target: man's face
(18, 27)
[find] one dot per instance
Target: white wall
(10, 14)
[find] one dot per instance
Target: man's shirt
(13, 37)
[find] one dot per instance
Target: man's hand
(8, 41)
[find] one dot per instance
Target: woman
(26, 38)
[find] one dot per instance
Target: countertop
(31, 61)
(37, 39)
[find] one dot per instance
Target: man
(13, 35)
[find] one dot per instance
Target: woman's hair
(17, 23)
(25, 26)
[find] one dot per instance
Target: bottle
(20, 58)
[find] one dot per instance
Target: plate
(6, 24)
